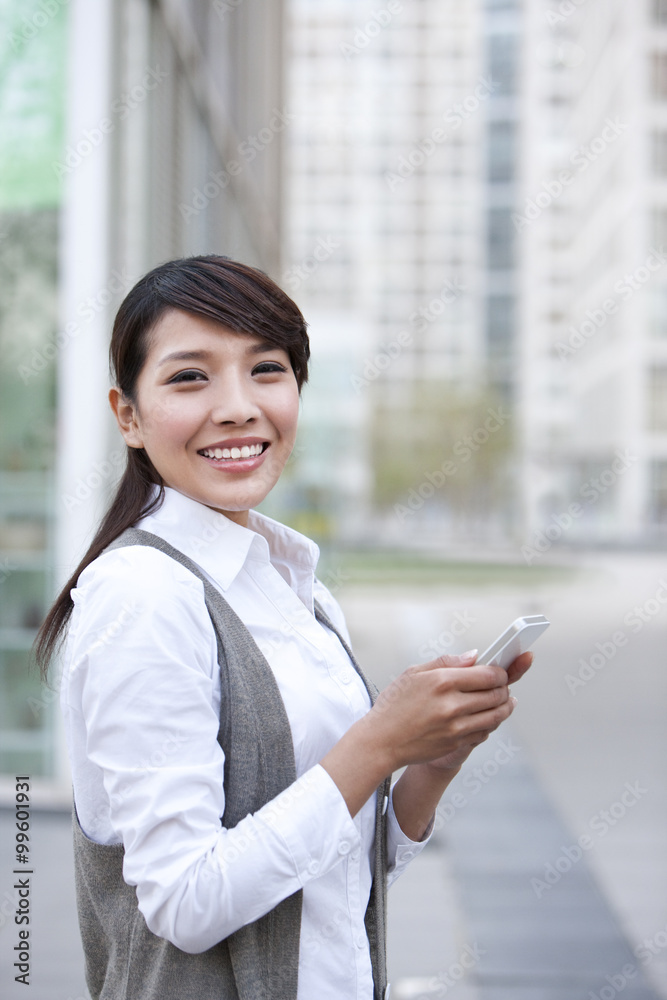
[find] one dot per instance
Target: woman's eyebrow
(185, 356)
(262, 346)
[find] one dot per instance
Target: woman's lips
(236, 458)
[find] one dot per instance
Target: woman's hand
(455, 759)
(439, 710)
(418, 790)
(434, 713)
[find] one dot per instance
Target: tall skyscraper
(401, 159)
(593, 236)
(487, 177)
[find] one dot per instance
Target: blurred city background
(468, 201)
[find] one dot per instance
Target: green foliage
(28, 261)
(440, 429)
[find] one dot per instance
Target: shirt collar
(222, 547)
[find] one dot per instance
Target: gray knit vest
(126, 961)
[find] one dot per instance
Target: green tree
(458, 440)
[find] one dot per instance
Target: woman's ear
(125, 414)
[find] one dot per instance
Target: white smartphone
(514, 641)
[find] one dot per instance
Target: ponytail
(133, 500)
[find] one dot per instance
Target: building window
(659, 227)
(659, 154)
(503, 58)
(659, 75)
(500, 327)
(501, 152)
(658, 493)
(658, 311)
(500, 239)
(660, 12)
(657, 399)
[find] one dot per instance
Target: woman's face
(216, 412)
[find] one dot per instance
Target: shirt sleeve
(400, 849)
(141, 668)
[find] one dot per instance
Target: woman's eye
(268, 367)
(189, 376)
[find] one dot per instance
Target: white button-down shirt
(141, 701)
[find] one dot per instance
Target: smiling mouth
(234, 454)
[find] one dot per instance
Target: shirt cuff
(400, 849)
(313, 823)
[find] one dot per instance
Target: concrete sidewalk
(521, 915)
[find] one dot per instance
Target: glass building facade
(32, 108)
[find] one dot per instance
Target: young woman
(234, 827)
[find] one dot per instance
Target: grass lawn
(377, 567)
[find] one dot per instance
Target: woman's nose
(235, 403)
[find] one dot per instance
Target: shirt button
(361, 941)
(344, 847)
(313, 867)
(346, 677)
(407, 855)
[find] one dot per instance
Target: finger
(473, 703)
(474, 726)
(473, 678)
(450, 660)
(518, 667)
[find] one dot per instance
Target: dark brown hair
(239, 297)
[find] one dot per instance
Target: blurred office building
(401, 170)
(478, 186)
(133, 132)
(593, 232)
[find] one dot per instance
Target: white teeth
(247, 451)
